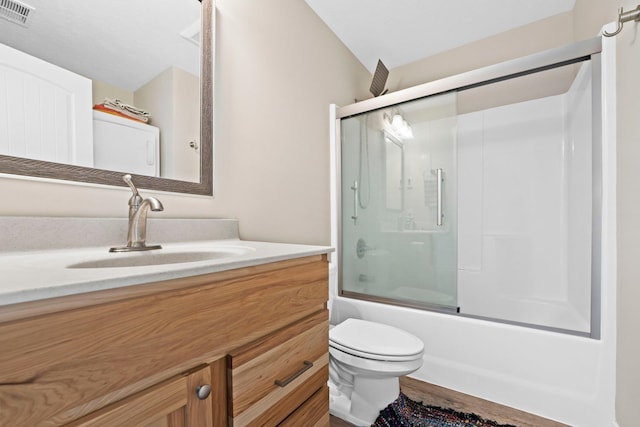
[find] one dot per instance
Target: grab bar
(354, 217)
(439, 214)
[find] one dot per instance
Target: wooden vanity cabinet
(137, 355)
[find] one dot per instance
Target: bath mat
(404, 412)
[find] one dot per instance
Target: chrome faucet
(138, 210)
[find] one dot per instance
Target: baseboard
(440, 396)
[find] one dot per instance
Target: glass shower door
(398, 185)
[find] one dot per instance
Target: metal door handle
(439, 179)
(354, 217)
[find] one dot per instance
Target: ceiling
(403, 31)
(121, 42)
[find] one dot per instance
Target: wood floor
(438, 396)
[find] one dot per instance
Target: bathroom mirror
(196, 36)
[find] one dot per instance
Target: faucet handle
(127, 178)
(136, 199)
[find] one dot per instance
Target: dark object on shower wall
(379, 80)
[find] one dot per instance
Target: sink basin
(162, 257)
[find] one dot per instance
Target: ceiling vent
(191, 33)
(15, 11)
(379, 80)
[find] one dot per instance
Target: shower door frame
(571, 54)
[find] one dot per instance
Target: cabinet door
(177, 402)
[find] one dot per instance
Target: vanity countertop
(35, 275)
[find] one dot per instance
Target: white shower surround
(524, 210)
(566, 378)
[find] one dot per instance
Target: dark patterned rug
(404, 412)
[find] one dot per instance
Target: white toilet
(365, 361)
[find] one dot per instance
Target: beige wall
(101, 90)
(173, 99)
(186, 114)
(538, 36)
(274, 86)
(276, 75)
(628, 128)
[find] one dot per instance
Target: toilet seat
(373, 356)
(375, 341)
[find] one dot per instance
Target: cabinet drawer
(313, 413)
(271, 378)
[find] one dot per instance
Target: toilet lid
(374, 339)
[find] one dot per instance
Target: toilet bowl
(366, 360)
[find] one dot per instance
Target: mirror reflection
(394, 172)
(108, 85)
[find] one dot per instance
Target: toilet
(366, 360)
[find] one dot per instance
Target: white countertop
(34, 275)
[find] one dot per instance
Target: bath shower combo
(468, 212)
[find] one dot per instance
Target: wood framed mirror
(23, 166)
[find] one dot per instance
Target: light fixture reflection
(399, 127)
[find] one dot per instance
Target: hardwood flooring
(439, 396)
(337, 422)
